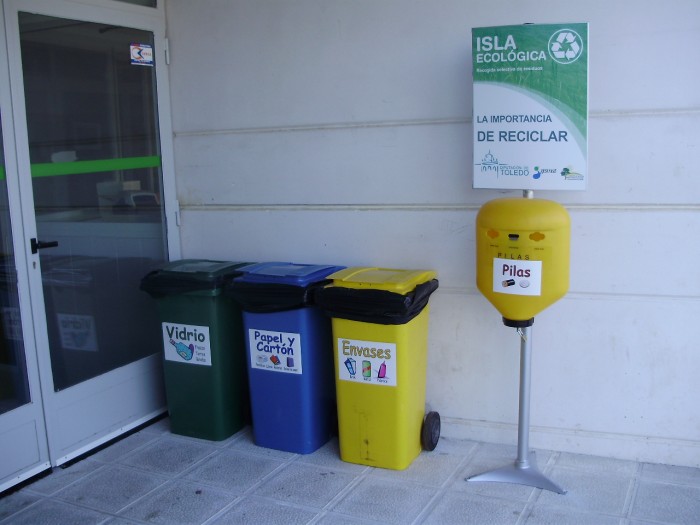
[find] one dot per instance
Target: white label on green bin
(367, 362)
(275, 351)
(186, 343)
(77, 332)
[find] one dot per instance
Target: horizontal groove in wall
(578, 296)
(423, 207)
(417, 122)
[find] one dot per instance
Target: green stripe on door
(51, 169)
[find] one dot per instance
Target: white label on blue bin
(275, 351)
(77, 332)
(367, 362)
(187, 344)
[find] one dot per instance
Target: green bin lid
(190, 275)
(201, 269)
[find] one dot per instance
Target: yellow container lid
(389, 279)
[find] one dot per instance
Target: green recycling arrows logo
(565, 46)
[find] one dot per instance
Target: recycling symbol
(565, 46)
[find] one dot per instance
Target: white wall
(337, 131)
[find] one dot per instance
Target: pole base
(522, 475)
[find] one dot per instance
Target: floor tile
(111, 488)
(50, 512)
(61, 477)
(587, 463)
(305, 485)
(598, 493)
(123, 447)
(153, 476)
(179, 502)
(671, 474)
(458, 447)
(328, 456)
(429, 468)
(244, 442)
(456, 508)
(385, 500)
(335, 518)
(233, 470)
(169, 455)
(15, 502)
(667, 503)
(264, 511)
(545, 515)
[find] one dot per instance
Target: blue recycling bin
(289, 351)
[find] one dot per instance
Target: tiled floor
(153, 476)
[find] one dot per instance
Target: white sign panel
(187, 344)
(531, 106)
(368, 362)
(517, 277)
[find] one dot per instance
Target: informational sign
(368, 362)
(275, 351)
(77, 332)
(189, 344)
(517, 277)
(531, 106)
(141, 55)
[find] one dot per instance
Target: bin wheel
(430, 433)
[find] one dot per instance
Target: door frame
(25, 423)
(63, 409)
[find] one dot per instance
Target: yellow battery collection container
(380, 372)
(522, 255)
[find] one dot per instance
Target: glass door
(85, 91)
(96, 181)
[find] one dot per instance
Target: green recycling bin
(203, 347)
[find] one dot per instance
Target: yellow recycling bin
(522, 256)
(380, 331)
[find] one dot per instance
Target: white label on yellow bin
(275, 351)
(367, 362)
(187, 344)
(516, 277)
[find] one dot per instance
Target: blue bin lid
(286, 273)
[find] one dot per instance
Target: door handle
(40, 245)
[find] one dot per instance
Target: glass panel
(95, 155)
(14, 384)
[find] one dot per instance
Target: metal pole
(524, 470)
(523, 460)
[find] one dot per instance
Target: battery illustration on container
(366, 369)
(507, 283)
(350, 365)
